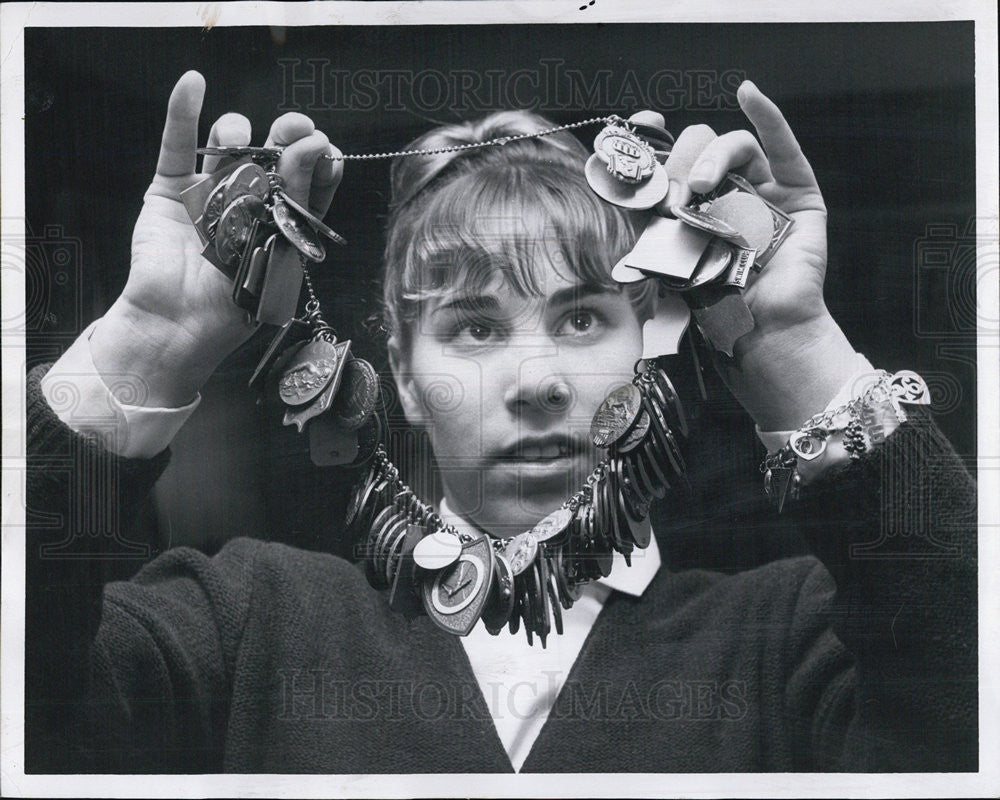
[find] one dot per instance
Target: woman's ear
(406, 385)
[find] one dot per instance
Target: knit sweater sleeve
(883, 659)
(81, 503)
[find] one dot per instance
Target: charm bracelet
(264, 241)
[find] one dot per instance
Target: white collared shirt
(520, 682)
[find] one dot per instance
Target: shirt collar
(623, 578)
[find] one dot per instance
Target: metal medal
(629, 158)
(704, 221)
(553, 598)
(454, 597)
(544, 621)
(359, 496)
(909, 388)
(521, 552)
(673, 399)
(647, 460)
(248, 295)
(497, 613)
(292, 332)
(236, 225)
(553, 525)
(260, 153)
(195, 197)
(635, 436)
(356, 401)
(313, 220)
(437, 550)
(808, 445)
(712, 265)
(602, 558)
(247, 179)
(299, 415)
(640, 477)
(378, 524)
(329, 444)
(297, 230)
(309, 373)
(402, 596)
(369, 435)
(660, 430)
(748, 214)
(246, 257)
(615, 416)
(279, 294)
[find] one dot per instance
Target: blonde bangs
(511, 221)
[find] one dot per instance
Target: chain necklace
(262, 239)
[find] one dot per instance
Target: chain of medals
(264, 241)
(525, 581)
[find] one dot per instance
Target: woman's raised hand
(796, 358)
(175, 321)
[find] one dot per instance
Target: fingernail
(704, 171)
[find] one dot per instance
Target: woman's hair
(458, 218)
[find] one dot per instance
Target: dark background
(884, 112)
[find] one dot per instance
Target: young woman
(506, 332)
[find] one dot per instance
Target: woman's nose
(545, 393)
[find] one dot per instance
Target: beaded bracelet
(856, 420)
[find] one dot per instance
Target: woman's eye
(479, 332)
(581, 322)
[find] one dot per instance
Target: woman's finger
(784, 154)
(180, 131)
(297, 163)
(289, 128)
(229, 130)
(325, 180)
(738, 150)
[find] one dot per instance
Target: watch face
(456, 586)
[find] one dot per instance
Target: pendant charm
(908, 387)
(309, 373)
(358, 395)
(808, 445)
(553, 525)
(628, 158)
(616, 415)
(297, 230)
(299, 416)
(437, 551)
(454, 597)
(520, 552)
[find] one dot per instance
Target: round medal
(308, 374)
(616, 415)
(437, 551)
(248, 179)
(235, 225)
(550, 527)
(357, 395)
(520, 552)
(297, 230)
(629, 158)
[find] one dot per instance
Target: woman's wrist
(785, 377)
(147, 360)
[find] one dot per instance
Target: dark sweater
(266, 658)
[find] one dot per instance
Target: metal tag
(300, 416)
(454, 597)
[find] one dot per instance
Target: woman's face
(506, 387)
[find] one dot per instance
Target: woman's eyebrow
(572, 294)
(477, 302)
